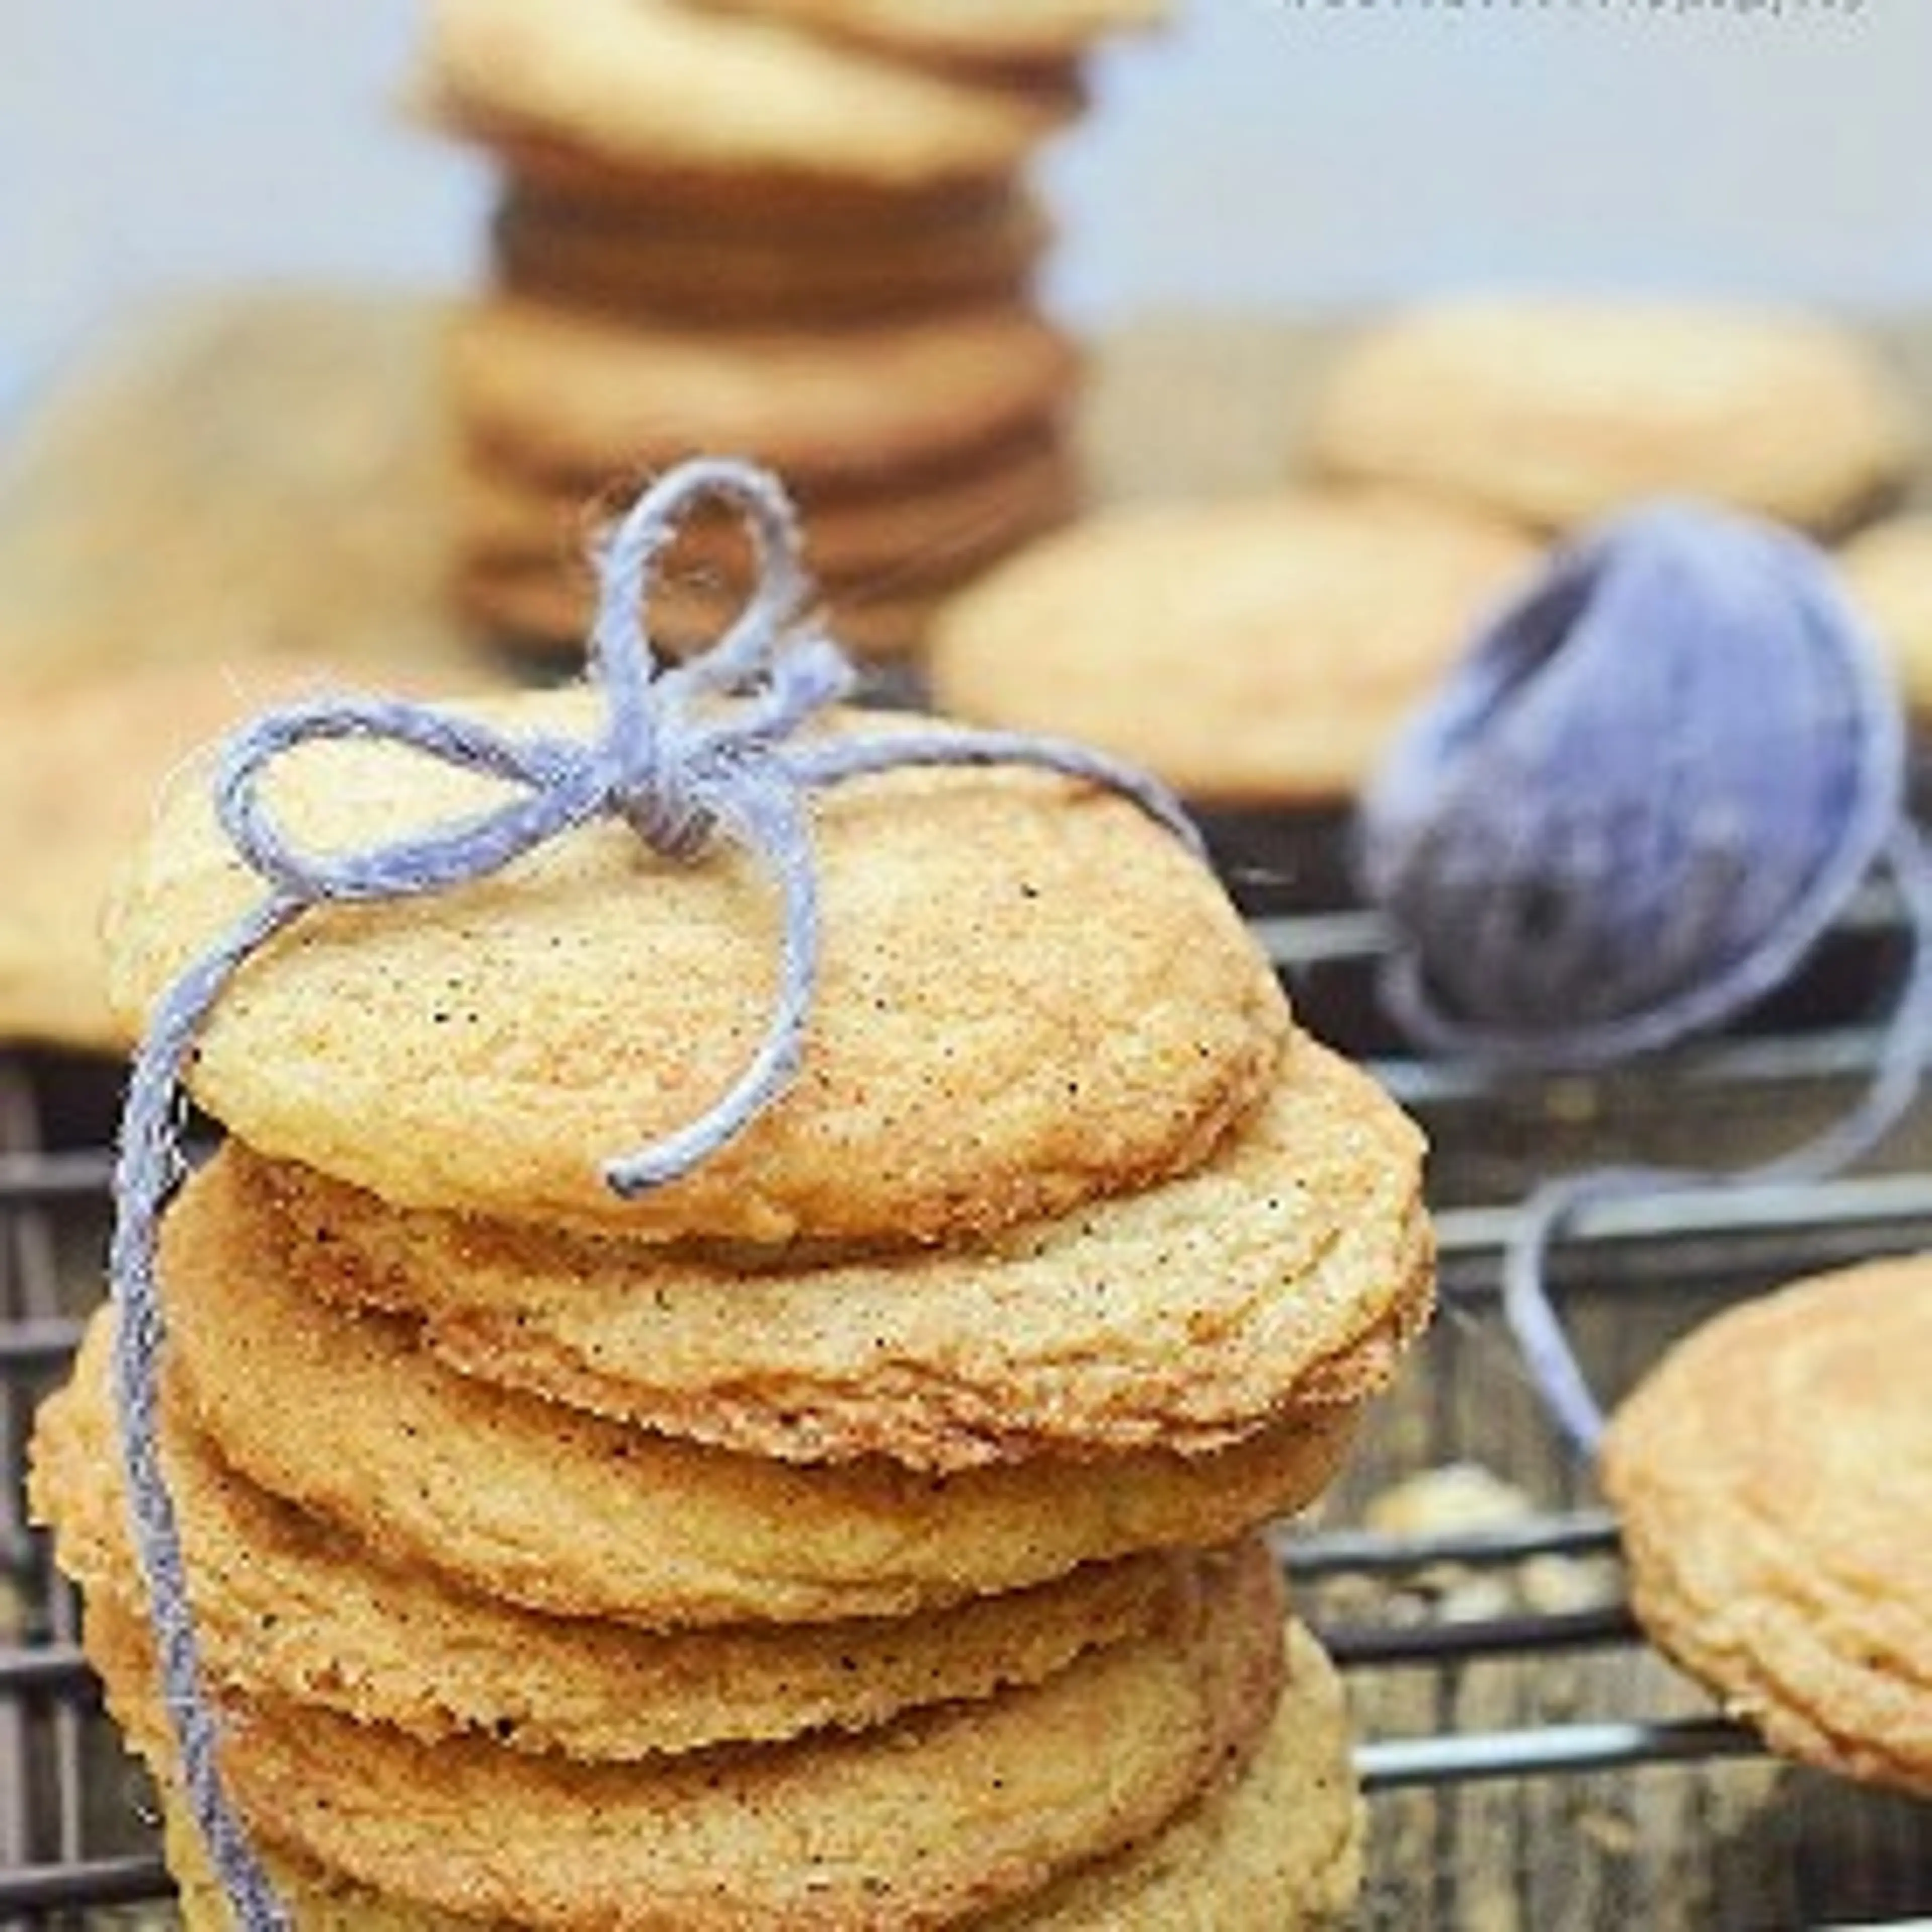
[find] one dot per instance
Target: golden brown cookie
(930, 1820)
(582, 396)
(1557, 411)
(81, 761)
(542, 612)
(578, 252)
(923, 530)
(1276, 1848)
(1888, 571)
(648, 84)
(1260, 650)
(263, 473)
(1784, 1564)
(1287, 1272)
(560, 1510)
(1030, 994)
(287, 1606)
(973, 30)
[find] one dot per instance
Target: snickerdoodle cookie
(291, 1607)
(1030, 995)
(1887, 569)
(1285, 1273)
(1255, 651)
(584, 396)
(1785, 1564)
(651, 87)
(558, 1509)
(939, 1817)
(82, 758)
(1275, 1847)
(1557, 411)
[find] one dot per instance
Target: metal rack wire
(1531, 1763)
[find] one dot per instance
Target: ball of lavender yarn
(1638, 801)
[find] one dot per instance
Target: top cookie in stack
(795, 230)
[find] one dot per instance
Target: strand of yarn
(688, 753)
(1557, 1204)
(1635, 807)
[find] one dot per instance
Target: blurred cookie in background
(1555, 411)
(1256, 652)
(84, 760)
(1887, 567)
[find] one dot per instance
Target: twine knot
(689, 753)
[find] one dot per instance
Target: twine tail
(147, 1170)
(775, 824)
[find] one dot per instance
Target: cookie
(647, 85)
(562, 1511)
(1277, 1847)
(1557, 412)
(642, 259)
(1000, 32)
(584, 397)
(262, 473)
(929, 1820)
(288, 1607)
(1780, 1564)
(1887, 569)
(926, 528)
(1256, 651)
(1030, 994)
(1287, 1272)
(81, 760)
(540, 613)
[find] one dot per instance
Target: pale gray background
(1282, 153)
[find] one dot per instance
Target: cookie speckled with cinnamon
(1557, 411)
(1779, 1564)
(1253, 651)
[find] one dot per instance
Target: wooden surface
(272, 469)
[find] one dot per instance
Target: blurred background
(1282, 154)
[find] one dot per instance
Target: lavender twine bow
(689, 753)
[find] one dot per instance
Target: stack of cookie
(859, 1531)
(796, 230)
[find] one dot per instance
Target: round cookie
(1030, 994)
(560, 1510)
(644, 84)
(543, 611)
(1559, 411)
(1286, 1272)
(918, 530)
(941, 1816)
(969, 30)
(287, 1606)
(81, 760)
(579, 396)
(1784, 1565)
(1887, 569)
(1276, 1848)
(550, 248)
(1260, 650)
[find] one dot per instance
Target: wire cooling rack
(1531, 1763)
